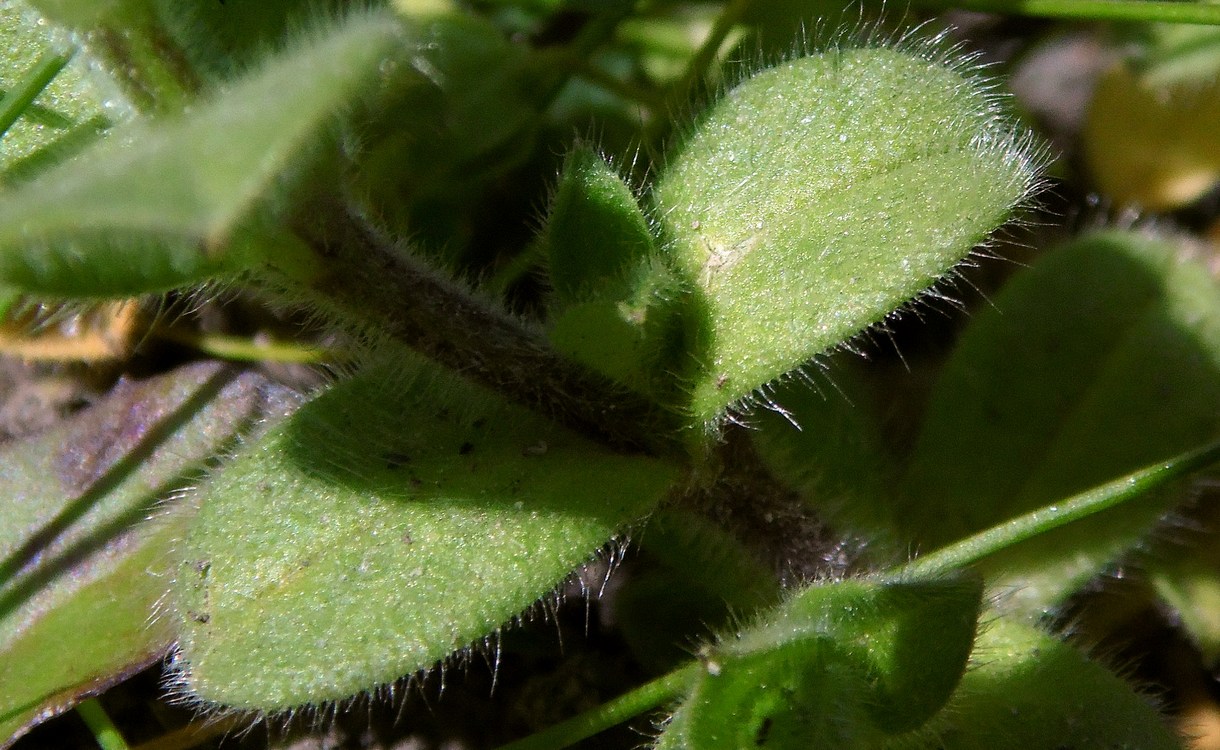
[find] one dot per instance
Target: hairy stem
(735, 490)
(379, 286)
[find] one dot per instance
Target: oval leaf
(818, 196)
(837, 665)
(397, 518)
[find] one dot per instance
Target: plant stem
(16, 100)
(245, 349)
(972, 549)
(679, 93)
(104, 731)
(596, 32)
(697, 68)
(646, 697)
(1092, 10)
(377, 287)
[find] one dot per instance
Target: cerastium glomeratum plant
(476, 454)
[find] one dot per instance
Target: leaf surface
(1103, 358)
(399, 517)
(838, 665)
(820, 195)
(70, 111)
(82, 568)
(166, 202)
(1026, 689)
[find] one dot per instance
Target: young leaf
(837, 665)
(616, 302)
(400, 516)
(818, 196)
(609, 288)
(75, 557)
(1103, 358)
(596, 233)
(162, 204)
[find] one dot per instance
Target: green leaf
(1025, 689)
(162, 204)
(67, 103)
(1103, 358)
(399, 517)
(837, 665)
(818, 196)
(80, 569)
(596, 233)
(613, 298)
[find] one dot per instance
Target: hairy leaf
(80, 570)
(603, 270)
(165, 203)
(1025, 690)
(819, 195)
(837, 665)
(596, 233)
(399, 517)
